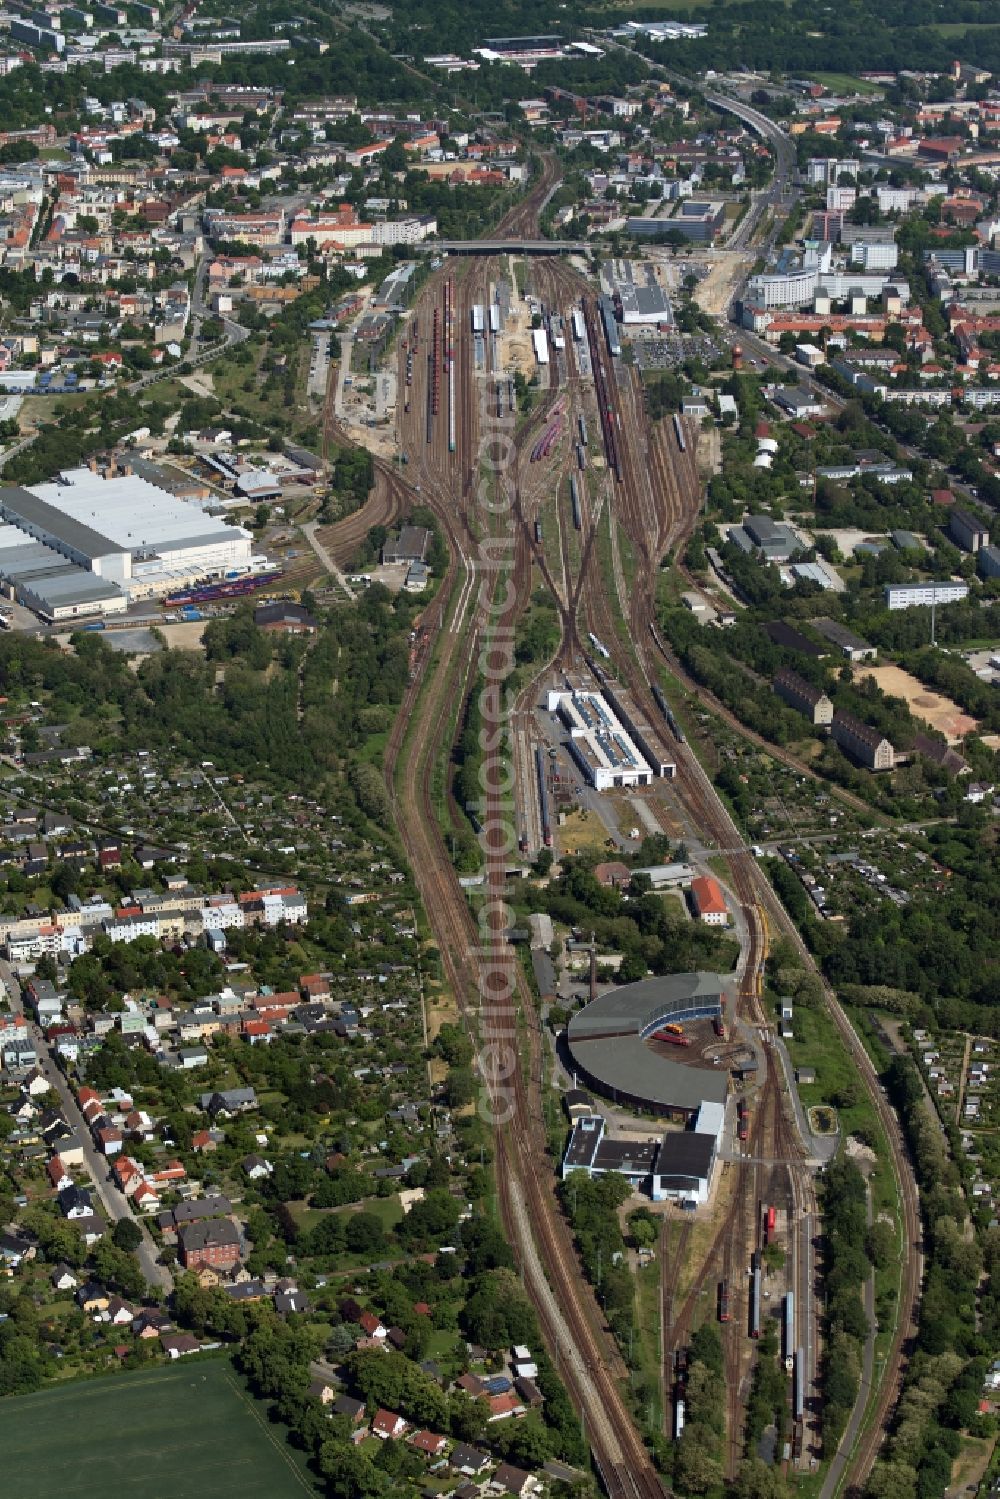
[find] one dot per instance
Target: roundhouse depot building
(607, 1041)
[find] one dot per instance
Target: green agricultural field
(173, 1433)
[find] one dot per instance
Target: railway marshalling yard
(497, 477)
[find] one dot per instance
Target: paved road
(114, 1202)
(309, 531)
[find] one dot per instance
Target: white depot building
(85, 545)
(598, 741)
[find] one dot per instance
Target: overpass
(511, 246)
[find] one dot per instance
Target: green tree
(126, 1235)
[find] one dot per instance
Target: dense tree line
(946, 1373)
(846, 1268)
(642, 929)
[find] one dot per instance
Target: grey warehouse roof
(21, 506)
(605, 1040)
(635, 1008)
(72, 586)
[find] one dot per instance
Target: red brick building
(214, 1243)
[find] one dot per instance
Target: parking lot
(319, 366)
(665, 353)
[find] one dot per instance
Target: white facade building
(126, 531)
(913, 595)
(222, 918)
(875, 256)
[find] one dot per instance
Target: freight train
(233, 589)
(665, 709)
(675, 727)
(607, 310)
(449, 358)
(574, 497)
(798, 1388)
(742, 1119)
(754, 1323)
(723, 1301)
(543, 798)
(543, 447)
(604, 406)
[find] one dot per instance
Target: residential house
(468, 1460)
(75, 1202)
(386, 1424)
(511, 1480)
(178, 1344)
(92, 1298)
(347, 1405)
(63, 1278)
(428, 1442)
(372, 1327)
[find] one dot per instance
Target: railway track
(656, 504)
(572, 1322)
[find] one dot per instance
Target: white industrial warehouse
(598, 741)
(84, 544)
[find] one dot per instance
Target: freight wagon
(574, 495)
(799, 1387)
(214, 591)
(754, 1325)
(543, 798)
